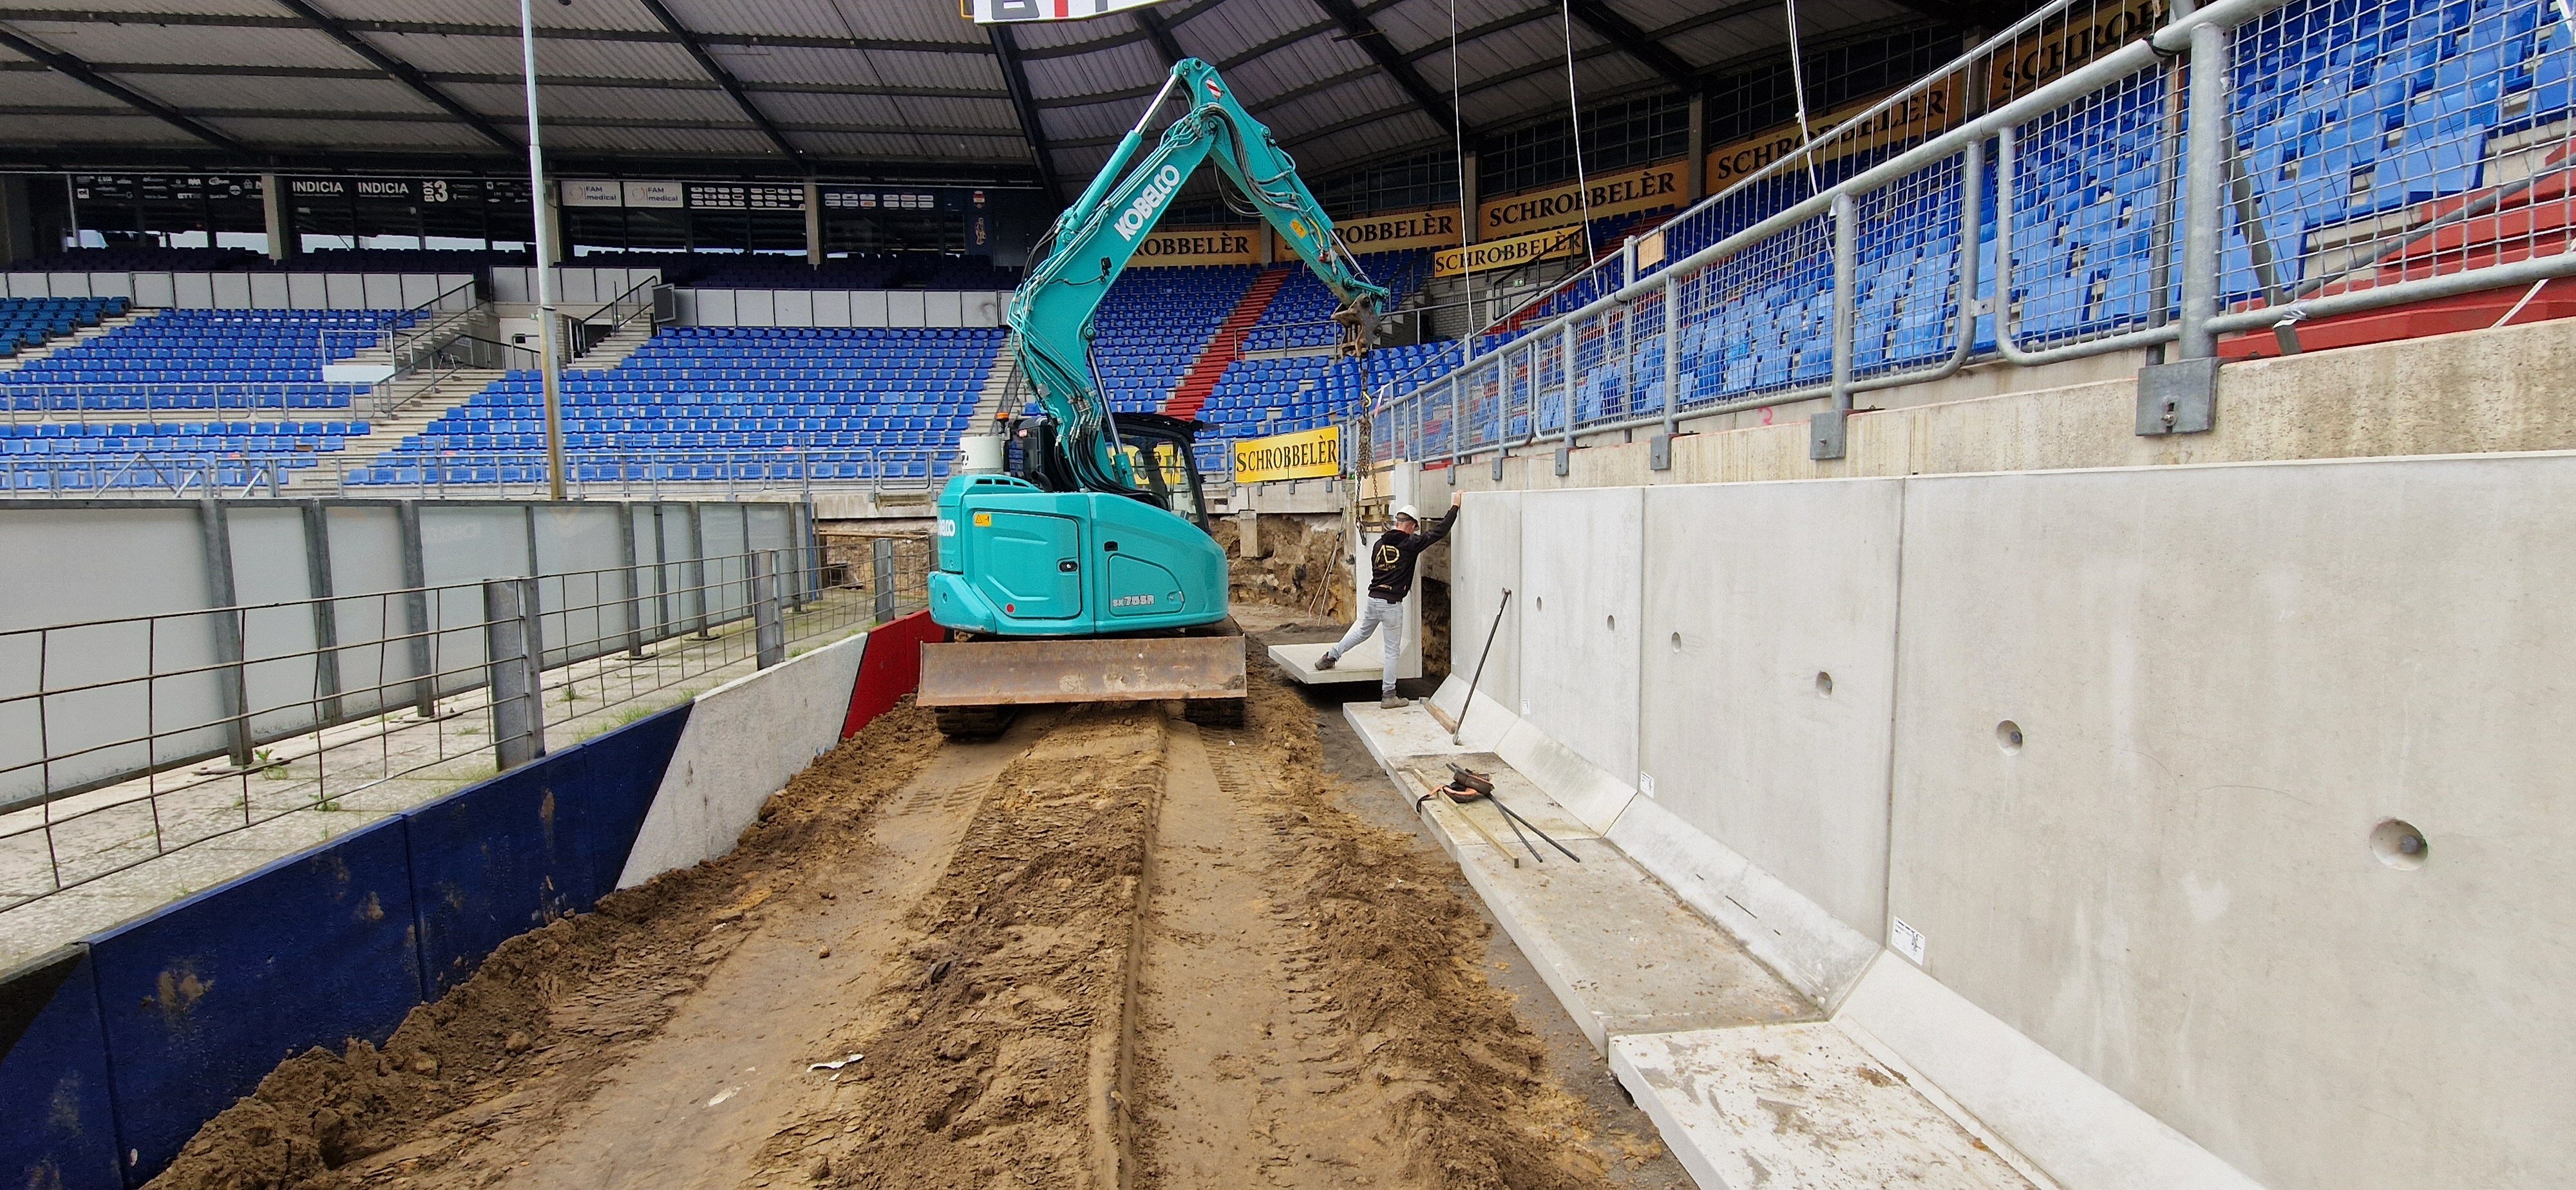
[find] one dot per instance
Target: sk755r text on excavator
(1082, 569)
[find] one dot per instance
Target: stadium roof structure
(854, 89)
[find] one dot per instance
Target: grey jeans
(1376, 613)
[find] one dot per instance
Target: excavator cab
(1157, 447)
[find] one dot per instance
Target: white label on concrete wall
(1524, 708)
(1907, 940)
(1645, 783)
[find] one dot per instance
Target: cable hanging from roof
(1798, 80)
(1574, 113)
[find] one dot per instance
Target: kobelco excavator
(1083, 569)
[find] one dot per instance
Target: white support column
(814, 224)
(272, 202)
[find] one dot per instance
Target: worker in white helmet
(1391, 562)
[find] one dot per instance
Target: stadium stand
(32, 322)
(203, 360)
(718, 403)
(1310, 390)
(1157, 322)
(1301, 315)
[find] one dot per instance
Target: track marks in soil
(993, 1058)
(1247, 1075)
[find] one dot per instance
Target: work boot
(1394, 702)
(1324, 662)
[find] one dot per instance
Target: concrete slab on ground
(1619, 950)
(1798, 1105)
(1298, 662)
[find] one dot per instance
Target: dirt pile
(1305, 564)
(996, 1062)
(551, 1010)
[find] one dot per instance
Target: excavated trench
(1108, 949)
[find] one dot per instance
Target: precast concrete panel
(158, 568)
(196, 291)
(155, 289)
(29, 285)
(1578, 678)
(1769, 676)
(905, 308)
(726, 538)
(1484, 559)
(715, 307)
(245, 291)
(270, 566)
(945, 307)
(70, 285)
(868, 308)
(462, 545)
(307, 291)
(793, 307)
(682, 573)
(345, 291)
(832, 307)
(384, 291)
(108, 285)
(755, 307)
(368, 623)
(581, 551)
(2154, 730)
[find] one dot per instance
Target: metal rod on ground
(1511, 820)
(1514, 816)
(1470, 701)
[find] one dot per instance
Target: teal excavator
(1082, 568)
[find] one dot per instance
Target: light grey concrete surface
(1770, 662)
(1489, 531)
(2226, 679)
(744, 739)
(1580, 629)
(1621, 953)
(1364, 664)
(1798, 1105)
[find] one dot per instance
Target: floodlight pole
(548, 366)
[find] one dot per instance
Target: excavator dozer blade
(1100, 669)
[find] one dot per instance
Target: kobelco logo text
(1148, 201)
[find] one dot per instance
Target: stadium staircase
(997, 389)
(613, 350)
(1219, 354)
(76, 338)
(386, 431)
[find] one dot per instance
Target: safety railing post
(1825, 431)
(2181, 396)
(769, 634)
(1565, 380)
(514, 654)
(1659, 455)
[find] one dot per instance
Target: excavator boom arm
(1094, 239)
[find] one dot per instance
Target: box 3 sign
(1308, 454)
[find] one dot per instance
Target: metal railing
(193, 725)
(35, 402)
(476, 474)
(2084, 182)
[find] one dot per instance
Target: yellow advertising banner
(1430, 227)
(1200, 245)
(1503, 254)
(1665, 185)
(1927, 114)
(2056, 47)
(1307, 454)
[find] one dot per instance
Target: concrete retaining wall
(2158, 947)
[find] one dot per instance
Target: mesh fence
(2033, 200)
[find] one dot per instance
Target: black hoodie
(1391, 559)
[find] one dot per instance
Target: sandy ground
(1107, 949)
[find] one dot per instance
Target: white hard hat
(1409, 514)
